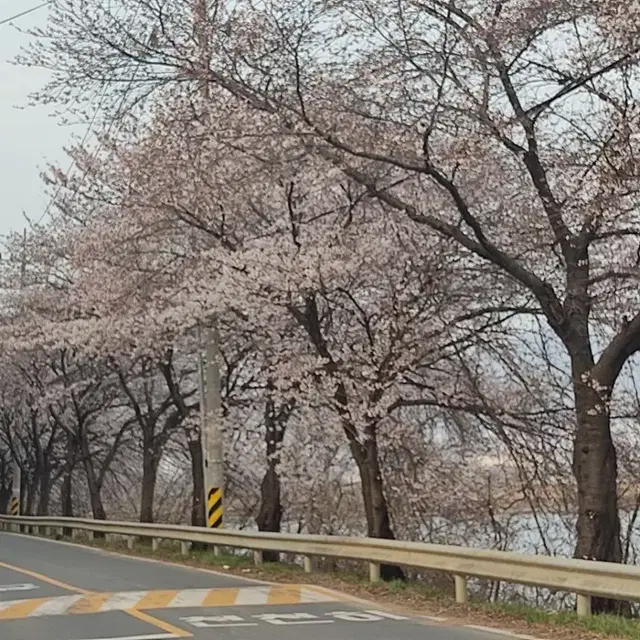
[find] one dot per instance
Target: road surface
(58, 591)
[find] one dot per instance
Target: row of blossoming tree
(416, 225)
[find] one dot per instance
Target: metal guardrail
(582, 577)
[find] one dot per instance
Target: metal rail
(582, 577)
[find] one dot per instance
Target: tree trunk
(44, 491)
(28, 493)
(95, 497)
(66, 496)
(270, 515)
(149, 476)
(375, 503)
(197, 474)
(595, 471)
(66, 491)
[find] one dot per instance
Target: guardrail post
(216, 550)
(583, 605)
(47, 531)
(74, 534)
(184, 547)
(461, 589)
(90, 535)
(257, 557)
(155, 544)
(131, 542)
(374, 572)
(308, 564)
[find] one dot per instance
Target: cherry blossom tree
(505, 133)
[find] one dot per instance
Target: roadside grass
(410, 597)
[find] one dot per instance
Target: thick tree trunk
(44, 491)
(375, 503)
(595, 470)
(95, 497)
(28, 491)
(197, 474)
(270, 515)
(149, 477)
(66, 495)
(66, 491)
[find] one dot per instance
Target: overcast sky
(29, 138)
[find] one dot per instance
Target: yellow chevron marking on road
(21, 608)
(156, 600)
(89, 603)
(284, 595)
(220, 598)
(132, 601)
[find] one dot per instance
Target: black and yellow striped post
(214, 508)
(14, 506)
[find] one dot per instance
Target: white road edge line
(151, 636)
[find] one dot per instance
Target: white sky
(29, 137)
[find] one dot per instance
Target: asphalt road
(57, 591)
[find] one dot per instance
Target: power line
(24, 13)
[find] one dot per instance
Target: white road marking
(56, 606)
(291, 618)
(213, 622)
(355, 616)
(310, 595)
(18, 587)
(255, 595)
(189, 598)
(120, 601)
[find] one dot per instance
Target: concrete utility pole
(15, 503)
(210, 414)
(211, 426)
(210, 401)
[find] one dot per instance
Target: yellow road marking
(284, 595)
(220, 598)
(160, 624)
(156, 600)
(91, 603)
(43, 578)
(21, 609)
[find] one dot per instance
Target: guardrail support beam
(583, 605)
(462, 597)
(184, 547)
(131, 542)
(257, 557)
(374, 572)
(155, 544)
(308, 564)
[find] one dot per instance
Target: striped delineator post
(214, 508)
